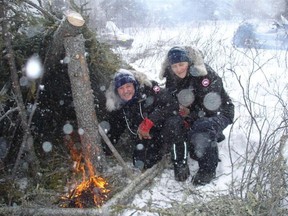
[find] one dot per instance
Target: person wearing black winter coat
(204, 106)
(138, 104)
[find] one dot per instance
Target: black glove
(211, 125)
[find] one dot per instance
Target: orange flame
(95, 188)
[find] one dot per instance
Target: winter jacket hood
(113, 101)
(197, 63)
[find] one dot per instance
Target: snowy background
(256, 80)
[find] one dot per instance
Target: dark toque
(122, 77)
(176, 55)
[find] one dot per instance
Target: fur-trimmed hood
(113, 101)
(196, 59)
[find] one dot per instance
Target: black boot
(181, 171)
(203, 177)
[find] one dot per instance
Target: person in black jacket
(204, 105)
(148, 112)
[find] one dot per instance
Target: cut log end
(75, 18)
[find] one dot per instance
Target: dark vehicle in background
(112, 35)
(269, 34)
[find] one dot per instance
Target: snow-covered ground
(256, 80)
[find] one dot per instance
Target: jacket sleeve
(164, 106)
(225, 111)
(227, 108)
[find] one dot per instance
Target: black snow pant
(147, 152)
(174, 136)
(170, 137)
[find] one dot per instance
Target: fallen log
(36, 211)
(121, 198)
(136, 185)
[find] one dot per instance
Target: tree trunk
(56, 83)
(84, 105)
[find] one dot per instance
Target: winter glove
(211, 125)
(144, 129)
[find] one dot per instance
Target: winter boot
(153, 153)
(181, 171)
(179, 157)
(203, 177)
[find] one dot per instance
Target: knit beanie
(122, 77)
(176, 55)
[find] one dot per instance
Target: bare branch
(8, 112)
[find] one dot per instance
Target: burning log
(90, 193)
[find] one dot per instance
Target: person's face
(180, 69)
(126, 91)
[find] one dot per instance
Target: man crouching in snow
(204, 105)
(149, 113)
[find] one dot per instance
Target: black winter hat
(122, 77)
(177, 54)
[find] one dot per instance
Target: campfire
(91, 191)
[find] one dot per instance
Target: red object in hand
(184, 111)
(144, 128)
